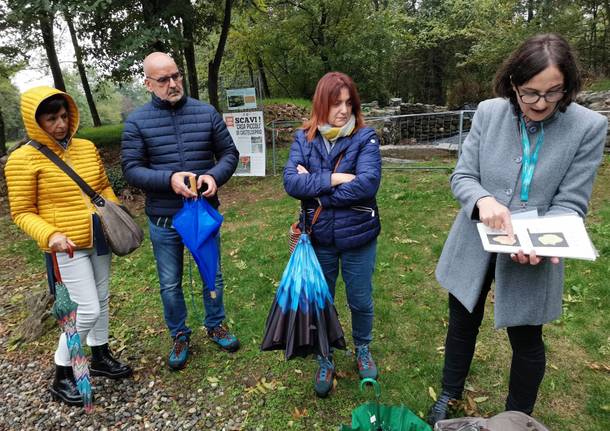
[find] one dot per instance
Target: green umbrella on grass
(374, 416)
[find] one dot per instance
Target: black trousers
(528, 361)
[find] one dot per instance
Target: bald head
(156, 60)
(163, 77)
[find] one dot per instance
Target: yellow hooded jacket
(43, 199)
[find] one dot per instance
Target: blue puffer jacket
(349, 217)
(160, 139)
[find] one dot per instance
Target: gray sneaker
(366, 365)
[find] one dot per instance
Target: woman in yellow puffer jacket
(52, 209)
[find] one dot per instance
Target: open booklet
(560, 236)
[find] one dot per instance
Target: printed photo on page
(560, 236)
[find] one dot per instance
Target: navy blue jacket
(349, 216)
(160, 139)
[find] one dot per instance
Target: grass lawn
(599, 85)
(417, 210)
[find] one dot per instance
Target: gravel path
(122, 405)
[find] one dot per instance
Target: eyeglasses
(176, 77)
(550, 97)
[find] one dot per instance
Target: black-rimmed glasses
(165, 79)
(550, 97)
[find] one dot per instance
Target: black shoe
(64, 387)
(104, 364)
(440, 409)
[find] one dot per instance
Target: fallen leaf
(341, 374)
(432, 393)
(298, 414)
(480, 399)
(599, 367)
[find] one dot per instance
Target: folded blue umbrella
(198, 223)
(303, 319)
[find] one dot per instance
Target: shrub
(102, 136)
(117, 181)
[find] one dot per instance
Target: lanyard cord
(529, 160)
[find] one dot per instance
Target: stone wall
(597, 101)
(422, 129)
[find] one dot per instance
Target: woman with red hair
(335, 164)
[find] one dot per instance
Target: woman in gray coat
(532, 148)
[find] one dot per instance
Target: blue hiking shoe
(323, 380)
(221, 336)
(180, 352)
(366, 365)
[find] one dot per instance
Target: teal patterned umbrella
(64, 310)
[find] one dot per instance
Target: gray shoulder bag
(505, 421)
(124, 235)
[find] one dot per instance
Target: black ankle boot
(440, 409)
(64, 387)
(103, 364)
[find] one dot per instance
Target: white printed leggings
(86, 276)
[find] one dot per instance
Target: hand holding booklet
(560, 236)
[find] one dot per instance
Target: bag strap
(319, 209)
(95, 197)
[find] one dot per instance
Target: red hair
(327, 92)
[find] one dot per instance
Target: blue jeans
(168, 249)
(357, 267)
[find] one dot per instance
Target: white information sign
(248, 132)
(241, 98)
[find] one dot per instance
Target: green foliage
(115, 176)
(113, 103)
(11, 114)
(104, 136)
(296, 43)
(443, 52)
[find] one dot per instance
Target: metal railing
(418, 132)
(431, 131)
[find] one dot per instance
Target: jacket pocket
(363, 209)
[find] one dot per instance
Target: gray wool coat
(490, 165)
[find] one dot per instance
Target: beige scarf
(333, 133)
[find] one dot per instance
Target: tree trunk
(2, 135)
(189, 48)
(437, 93)
(530, 10)
(263, 77)
(81, 71)
(150, 13)
(322, 40)
(45, 20)
(214, 66)
(250, 73)
(178, 55)
(605, 44)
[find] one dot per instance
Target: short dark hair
(52, 105)
(532, 57)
